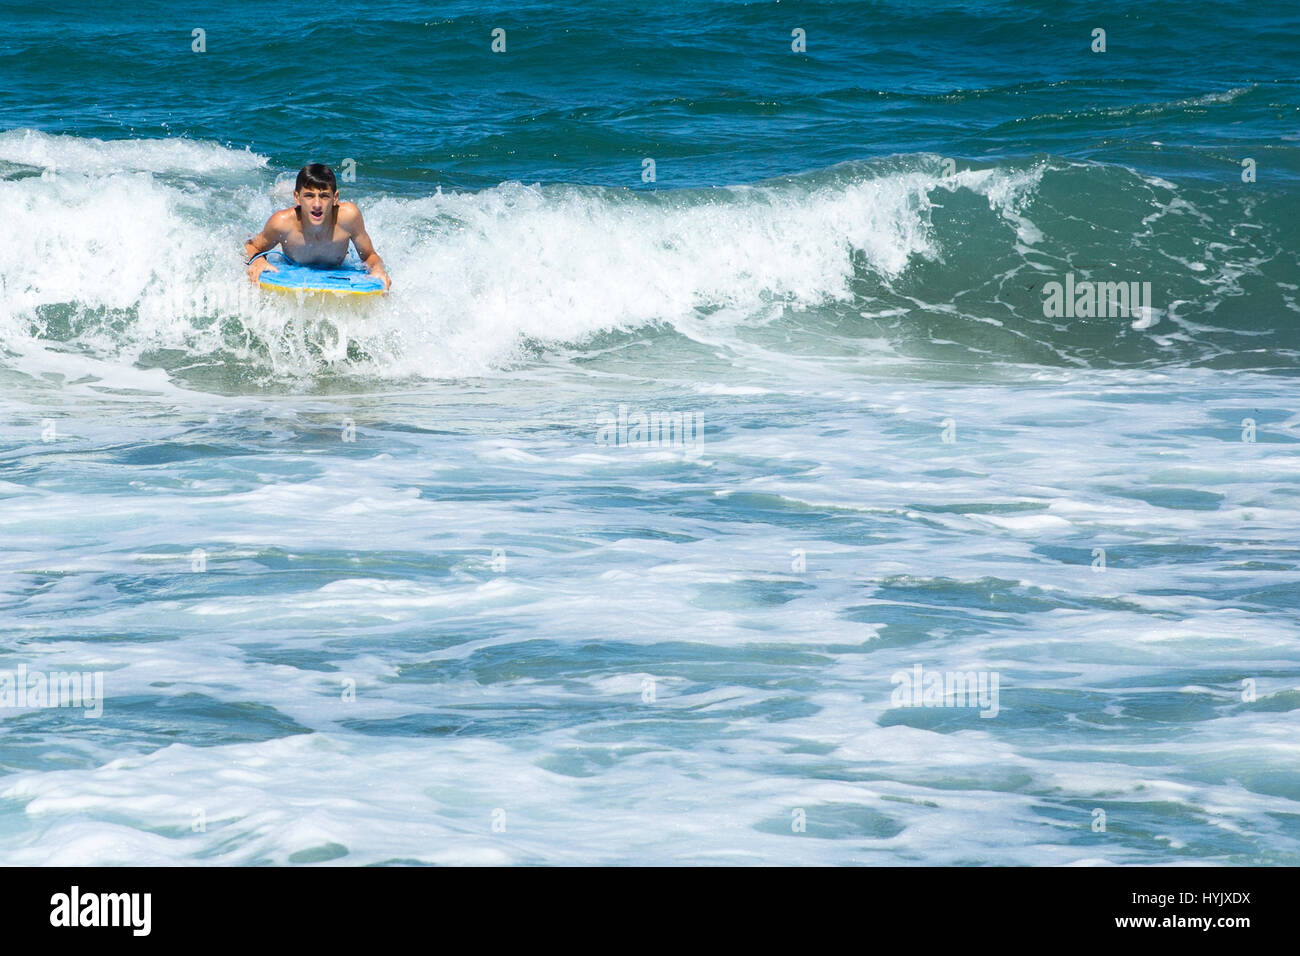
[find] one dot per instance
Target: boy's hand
(379, 273)
(257, 267)
(272, 235)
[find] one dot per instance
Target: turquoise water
(414, 581)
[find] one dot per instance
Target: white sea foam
(86, 155)
(138, 248)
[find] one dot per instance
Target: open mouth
(318, 213)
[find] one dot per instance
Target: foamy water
(475, 614)
(613, 534)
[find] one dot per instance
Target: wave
(131, 250)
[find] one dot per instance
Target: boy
(316, 232)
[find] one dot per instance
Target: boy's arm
(264, 241)
(352, 221)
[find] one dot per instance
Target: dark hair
(317, 176)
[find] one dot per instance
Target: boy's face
(316, 203)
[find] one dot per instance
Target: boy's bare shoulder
(349, 215)
(283, 219)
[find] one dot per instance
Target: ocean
(798, 433)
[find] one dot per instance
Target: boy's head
(315, 192)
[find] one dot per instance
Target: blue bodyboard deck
(350, 278)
